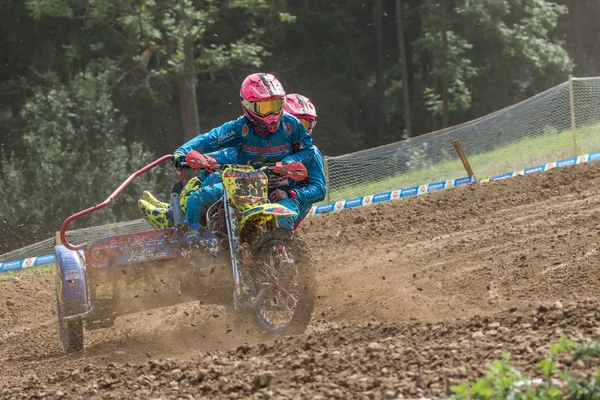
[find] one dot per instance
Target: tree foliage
(74, 155)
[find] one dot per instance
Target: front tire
(283, 264)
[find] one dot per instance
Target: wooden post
(573, 125)
(327, 188)
(463, 158)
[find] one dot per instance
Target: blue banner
(463, 181)
(500, 177)
(408, 192)
(27, 263)
(378, 198)
(357, 202)
(434, 187)
(539, 168)
(567, 162)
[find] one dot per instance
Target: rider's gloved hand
(280, 194)
(178, 159)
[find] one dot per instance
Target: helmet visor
(265, 107)
(308, 123)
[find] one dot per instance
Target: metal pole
(573, 125)
(463, 158)
(326, 167)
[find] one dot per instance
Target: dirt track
(415, 295)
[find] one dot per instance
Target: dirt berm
(415, 295)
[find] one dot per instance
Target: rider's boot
(147, 196)
(155, 216)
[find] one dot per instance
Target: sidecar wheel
(71, 332)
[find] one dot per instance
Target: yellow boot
(147, 196)
(155, 216)
(192, 185)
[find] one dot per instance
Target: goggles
(265, 107)
(308, 123)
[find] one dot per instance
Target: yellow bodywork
(243, 187)
(248, 191)
(263, 213)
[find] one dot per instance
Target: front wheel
(284, 273)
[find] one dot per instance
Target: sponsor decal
(463, 181)
(500, 177)
(324, 209)
(433, 187)
(7, 266)
(41, 260)
(245, 130)
(594, 156)
(378, 198)
(357, 202)
(539, 168)
(411, 191)
(567, 162)
(225, 137)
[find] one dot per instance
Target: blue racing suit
(289, 143)
(312, 190)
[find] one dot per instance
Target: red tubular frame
(63, 228)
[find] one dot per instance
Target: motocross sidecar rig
(242, 259)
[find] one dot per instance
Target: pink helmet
(302, 108)
(263, 98)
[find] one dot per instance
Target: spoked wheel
(285, 282)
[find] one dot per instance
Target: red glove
(280, 194)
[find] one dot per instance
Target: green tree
(165, 44)
(451, 65)
(74, 157)
(514, 44)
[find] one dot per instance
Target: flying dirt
(414, 296)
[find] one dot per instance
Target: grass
(521, 154)
(27, 271)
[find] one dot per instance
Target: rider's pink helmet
(302, 108)
(263, 98)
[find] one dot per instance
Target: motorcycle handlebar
(267, 168)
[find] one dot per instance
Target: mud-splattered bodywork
(132, 272)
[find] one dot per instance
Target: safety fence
(561, 122)
(556, 124)
(91, 234)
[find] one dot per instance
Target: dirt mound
(411, 265)
(340, 361)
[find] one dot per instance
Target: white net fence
(529, 133)
(77, 236)
(533, 132)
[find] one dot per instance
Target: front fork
(233, 251)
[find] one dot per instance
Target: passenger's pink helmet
(263, 98)
(302, 108)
